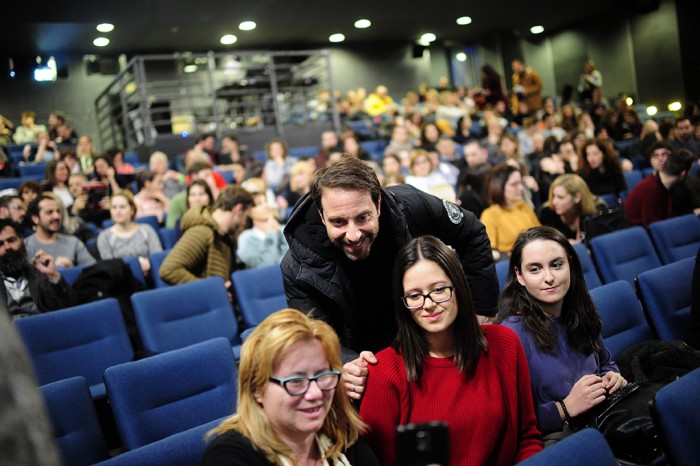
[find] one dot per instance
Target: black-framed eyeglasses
(8, 241)
(438, 295)
(297, 386)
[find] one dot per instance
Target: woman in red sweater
(444, 367)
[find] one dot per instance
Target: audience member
(56, 119)
(12, 208)
(491, 86)
(263, 244)
(329, 144)
(653, 198)
(57, 174)
(173, 182)
(466, 130)
(684, 136)
(600, 169)
(299, 185)
(570, 202)
(207, 143)
(85, 152)
(400, 145)
(127, 238)
(200, 170)
(207, 247)
(122, 168)
(590, 80)
(46, 149)
(527, 86)
(278, 165)
(29, 190)
(424, 176)
(289, 410)
(150, 199)
(379, 103)
(508, 214)
(90, 201)
(28, 130)
(429, 135)
(103, 171)
(470, 191)
(351, 145)
(66, 135)
(230, 152)
(444, 367)
(546, 302)
(31, 283)
(67, 250)
(343, 238)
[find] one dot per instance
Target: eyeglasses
(437, 296)
(8, 241)
(17, 207)
(297, 386)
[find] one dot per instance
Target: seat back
(136, 270)
(632, 178)
(157, 259)
(70, 274)
(676, 238)
(82, 340)
(502, 273)
(667, 295)
(179, 316)
(167, 237)
(675, 411)
(624, 323)
(584, 448)
(260, 292)
(624, 254)
(590, 274)
(163, 395)
(76, 427)
(181, 449)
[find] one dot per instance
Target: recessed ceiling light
(675, 106)
(629, 101)
(464, 20)
(337, 37)
(427, 38)
(229, 39)
(652, 110)
(189, 68)
(363, 23)
(105, 27)
(100, 42)
(461, 56)
(247, 26)
(537, 29)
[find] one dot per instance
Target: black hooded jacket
(318, 278)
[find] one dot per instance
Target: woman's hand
(355, 374)
(585, 394)
(145, 265)
(613, 381)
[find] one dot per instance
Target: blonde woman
(290, 411)
(569, 202)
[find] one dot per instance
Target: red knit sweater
(491, 416)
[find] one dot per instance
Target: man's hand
(46, 265)
(355, 374)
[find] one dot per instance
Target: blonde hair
(302, 166)
(262, 350)
(574, 184)
(417, 154)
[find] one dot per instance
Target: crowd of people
(387, 259)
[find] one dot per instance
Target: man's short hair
(197, 166)
(683, 118)
(8, 222)
(679, 161)
(230, 197)
(349, 173)
(5, 201)
(658, 145)
(33, 209)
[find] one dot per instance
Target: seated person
(198, 170)
(546, 302)
(290, 410)
(150, 200)
(31, 285)
(67, 250)
(508, 213)
(90, 201)
(445, 367)
(127, 238)
(263, 244)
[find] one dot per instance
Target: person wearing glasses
(29, 285)
(289, 411)
(443, 366)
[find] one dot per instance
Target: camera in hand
(96, 191)
(423, 444)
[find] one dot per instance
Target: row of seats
(162, 407)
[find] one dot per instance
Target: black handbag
(625, 420)
(603, 222)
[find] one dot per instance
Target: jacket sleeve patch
(454, 213)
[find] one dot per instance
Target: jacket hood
(198, 216)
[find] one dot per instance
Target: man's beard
(14, 264)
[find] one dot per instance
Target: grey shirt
(142, 243)
(64, 246)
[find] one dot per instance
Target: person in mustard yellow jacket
(527, 86)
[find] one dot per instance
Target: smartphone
(423, 444)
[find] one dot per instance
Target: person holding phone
(289, 411)
(444, 366)
(546, 302)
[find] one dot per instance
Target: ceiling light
(651, 110)
(537, 29)
(105, 27)
(229, 39)
(674, 106)
(363, 23)
(100, 42)
(191, 68)
(629, 101)
(427, 38)
(461, 56)
(247, 26)
(464, 20)
(338, 37)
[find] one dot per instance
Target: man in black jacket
(29, 288)
(343, 238)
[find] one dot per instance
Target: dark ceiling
(165, 26)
